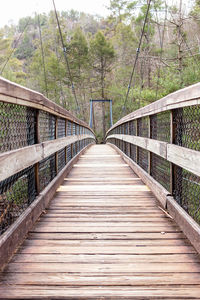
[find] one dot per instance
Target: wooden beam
(188, 96)
(181, 156)
(157, 147)
(190, 228)
(15, 235)
(14, 93)
(14, 161)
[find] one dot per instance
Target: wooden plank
(148, 279)
(105, 258)
(190, 228)
(158, 190)
(139, 293)
(106, 236)
(185, 97)
(155, 146)
(184, 157)
(11, 92)
(14, 236)
(103, 241)
(103, 268)
(89, 243)
(107, 250)
(16, 160)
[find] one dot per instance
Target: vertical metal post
(91, 113)
(66, 124)
(37, 180)
(111, 116)
(56, 155)
(149, 152)
(136, 133)
(72, 154)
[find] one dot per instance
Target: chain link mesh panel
(18, 126)
(187, 127)
(143, 127)
(143, 158)
(61, 159)
(160, 170)
(133, 152)
(47, 125)
(160, 126)
(16, 194)
(186, 191)
(61, 128)
(69, 153)
(133, 127)
(69, 128)
(73, 129)
(47, 171)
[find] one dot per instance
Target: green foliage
(101, 53)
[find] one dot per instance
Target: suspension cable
(161, 37)
(43, 59)
(14, 47)
(137, 55)
(66, 58)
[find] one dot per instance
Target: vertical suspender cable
(15, 45)
(66, 58)
(137, 55)
(43, 60)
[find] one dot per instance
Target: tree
(102, 55)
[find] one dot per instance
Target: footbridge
(86, 221)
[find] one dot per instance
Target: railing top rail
(185, 97)
(14, 93)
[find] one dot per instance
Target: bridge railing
(38, 140)
(162, 141)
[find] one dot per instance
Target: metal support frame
(91, 110)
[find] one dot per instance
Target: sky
(12, 10)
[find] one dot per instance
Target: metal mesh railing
(160, 170)
(187, 127)
(133, 152)
(133, 127)
(47, 171)
(61, 128)
(143, 159)
(160, 126)
(16, 194)
(186, 191)
(61, 159)
(17, 126)
(47, 126)
(143, 127)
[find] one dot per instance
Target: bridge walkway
(104, 236)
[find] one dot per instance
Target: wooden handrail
(16, 94)
(188, 96)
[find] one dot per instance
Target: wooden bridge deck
(103, 237)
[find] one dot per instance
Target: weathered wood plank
(102, 238)
(89, 292)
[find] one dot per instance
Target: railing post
(72, 125)
(66, 124)
(172, 137)
(149, 152)
(136, 133)
(129, 145)
(37, 180)
(56, 136)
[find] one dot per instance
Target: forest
(101, 54)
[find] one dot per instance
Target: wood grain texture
(103, 237)
(185, 97)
